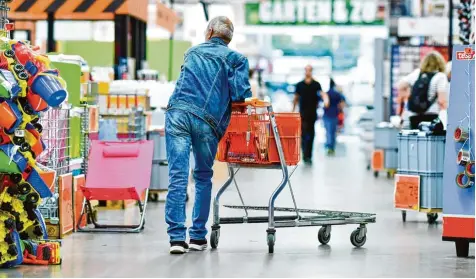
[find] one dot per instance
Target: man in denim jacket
(198, 114)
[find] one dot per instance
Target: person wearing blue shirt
(333, 104)
(199, 111)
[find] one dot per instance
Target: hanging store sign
(77, 9)
(166, 17)
(315, 12)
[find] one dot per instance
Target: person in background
(333, 105)
(198, 113)
(308, 96)
(432, 73)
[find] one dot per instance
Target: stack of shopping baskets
(419, 181)
(385, 154)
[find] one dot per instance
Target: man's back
(309, 98)
(212, 75)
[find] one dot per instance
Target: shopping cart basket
(259, 138)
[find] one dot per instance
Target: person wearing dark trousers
(308, 96)
(333, 104)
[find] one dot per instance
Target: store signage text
(467, 54)
(314, 12)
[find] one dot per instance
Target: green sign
(315, 12)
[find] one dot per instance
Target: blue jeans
(330, 123)
(183, 131)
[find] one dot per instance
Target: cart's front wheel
(432, 217)
(375, 173)
(323, 236)
(154, 197)
(404, 216)
(356, 239)
(271, 241)
(214, 237)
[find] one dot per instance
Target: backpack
(418, 101)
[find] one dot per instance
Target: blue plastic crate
(421, 152)
(391, 159)
(431, 189)
(385, 136)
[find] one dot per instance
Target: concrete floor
(393, 248)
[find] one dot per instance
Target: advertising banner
(315, 12)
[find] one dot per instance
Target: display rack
(56, 127)
(458, 176)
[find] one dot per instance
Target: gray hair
(222, 27)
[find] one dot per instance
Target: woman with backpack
(424, 93)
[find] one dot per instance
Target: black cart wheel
(154, 197)
(16, 178)
(32, 198)
(18, 140)
(18, 68)
(432, 217)
(368, 167)
(214, 237)
(375, 173)
(356, 239)
(38, 127)
(323, 236)
(24, 188)
(9, 53)
(25, 147)
(271, 241)
(404, 216)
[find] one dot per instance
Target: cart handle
(254, 102)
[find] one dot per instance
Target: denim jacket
(212, 76)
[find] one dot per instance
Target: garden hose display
(469, 169)
(28, 85)
(460, 134)
(463, 157)
(463, 181)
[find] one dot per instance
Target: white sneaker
(198, 245)
(178, 247)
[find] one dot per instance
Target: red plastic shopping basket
(250, 139)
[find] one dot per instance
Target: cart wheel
(16, 178)
(18, 140)
(154, 197)
(404, 216)
(25, 147)
(389, 174)
(375, 173)
(322, 236)
(32, 198)
(214, 237)
(432, 217)
(368, 167)
(38, 127)
(9, 53)
(356, 240)
(24, 189)
(271, 241)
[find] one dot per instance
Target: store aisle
(393, 249)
